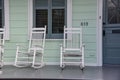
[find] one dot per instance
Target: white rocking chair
(1, 46)
(72, 50)
(34, 56)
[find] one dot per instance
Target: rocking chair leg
(33, 63)
(0, 66)
(62, 66)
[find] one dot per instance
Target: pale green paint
(83, 10)
(18, 28)
(85, 2)
(16, 24)
(92, 23)
(86, 11)
(89, 38)
(21, 31)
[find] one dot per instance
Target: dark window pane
(58, 17)
(0, 3)
(113, 11)
(0, 18)
(41, 18)
(1, 14)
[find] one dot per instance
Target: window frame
(49, 8)
(2, 10)
(31, 19)
(5, 19)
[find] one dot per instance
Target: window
(113, 11)
(1, 14)
(51, 13)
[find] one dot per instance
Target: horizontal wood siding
(18, 28)
(83, 11)
(86, 11)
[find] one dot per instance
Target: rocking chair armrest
(18, 45)
(82, 46)
(61, 46)
(1, 45)
(37, 46)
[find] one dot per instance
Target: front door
(111, 32)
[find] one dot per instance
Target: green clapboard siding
(83, 11)
(86, 11)
(18, 28)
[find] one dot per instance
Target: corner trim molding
(69, 13)
(99, 32)
(6, 14)
(30, 16)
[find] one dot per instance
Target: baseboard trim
(53, 63)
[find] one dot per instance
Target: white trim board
(99, 32)
(30, 16)
(51, 63)
(6, 14)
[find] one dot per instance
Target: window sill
(53, 39)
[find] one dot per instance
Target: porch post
(99, 32)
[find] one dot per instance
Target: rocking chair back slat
(2, 40)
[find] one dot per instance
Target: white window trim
(30, 15)
(6, 19)
(69, 13)
(99, 32)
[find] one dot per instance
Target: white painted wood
(52, 63)
(2, 40)
(69, 13)
(30, 17)
(99, 32)
(6, 13)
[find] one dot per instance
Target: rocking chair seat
(72, 55)
(30, 53)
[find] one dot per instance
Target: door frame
(99, 32)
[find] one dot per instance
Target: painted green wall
(18, 27)
(86, 11)
(83, 10)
